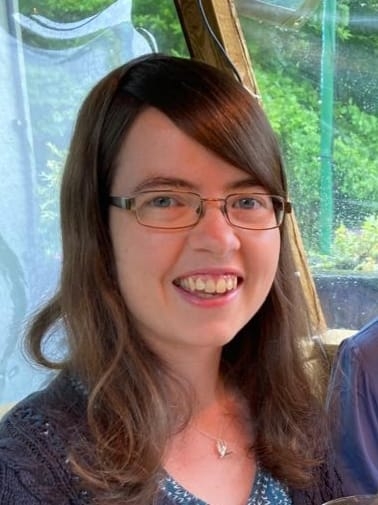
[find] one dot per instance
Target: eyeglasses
(169, 209)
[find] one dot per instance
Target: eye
(162, 201)
(165, 201)
(247, 202)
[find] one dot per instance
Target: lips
(208, 284)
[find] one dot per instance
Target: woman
(184, 380)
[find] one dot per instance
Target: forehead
(156, 152)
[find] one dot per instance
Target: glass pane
(51, 53)
(317, 72)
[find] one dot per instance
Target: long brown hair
(129, 387)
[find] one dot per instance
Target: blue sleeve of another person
(354, 387)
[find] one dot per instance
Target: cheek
(134, 273)
(273, 253)
(264, 250)
(143, 259)
(134, 266)
(263, 263)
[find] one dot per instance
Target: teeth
(200, 285)
(221, 286)
(230, 283)
(191, 284)
(209, 285)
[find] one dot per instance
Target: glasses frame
(128, 203)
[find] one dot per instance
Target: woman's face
(164, 274)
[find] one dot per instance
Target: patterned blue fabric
(265, 491)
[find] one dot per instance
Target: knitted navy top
(34, 440)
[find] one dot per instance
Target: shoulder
(34, 441)
(327, 486)
(364, 340)
(360, 349)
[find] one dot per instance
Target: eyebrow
(176, 182)
(153, 182)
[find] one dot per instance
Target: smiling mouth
(208, 284)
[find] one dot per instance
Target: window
(51, 53)
(316, 65)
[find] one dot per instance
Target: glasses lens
(255, 211)
(167, 209)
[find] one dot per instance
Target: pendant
(222, 449)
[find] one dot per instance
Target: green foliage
(292, 108)
(63, 10)
(356, 147)
(160, 19)
(287, 67)
(353, 250)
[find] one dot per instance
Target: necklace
(221, 446)
(231, 406)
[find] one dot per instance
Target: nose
(213, 233)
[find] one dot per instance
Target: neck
(200, 370)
